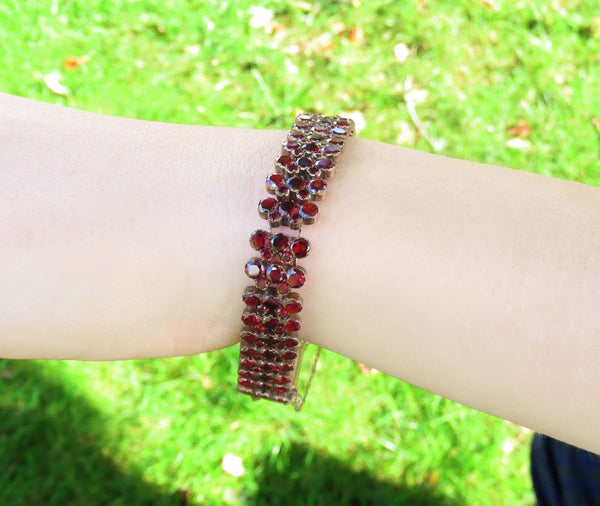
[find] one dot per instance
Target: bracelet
(270, 350)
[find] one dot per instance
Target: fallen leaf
(356, 34)
(232, 464)
(278, 30)
(366, 370)
(74, 62)
(52, 80)
(520, 130)
(489, 4)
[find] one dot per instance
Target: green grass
(155, 431)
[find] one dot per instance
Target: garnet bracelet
(271, 351)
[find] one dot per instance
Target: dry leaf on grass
(74, 62)
(520, 130)
(366, 370)
(52, 81)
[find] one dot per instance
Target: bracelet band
(270, 350)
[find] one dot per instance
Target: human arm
(123, 239)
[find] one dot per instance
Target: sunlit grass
(513, 85)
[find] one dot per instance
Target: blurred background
(505, 82)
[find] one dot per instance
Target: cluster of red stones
(270, 349)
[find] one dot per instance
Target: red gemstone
(291, 170)
(282, 380)
(268, 254)
(304, 118)
(282, 193)
(338, 131)
(314, 171)
(288, 355)
(303, 195)
(280, 242)
(258, 239)
(262, 283)
(296, 276)
(290, 341)
(324, 163)
(271, 355)
(320, 128)
(249, 337)
(317, 187)
(293, 305)
(246, 383)
(288, 208)
(272, 303)
(312, 146)
(266, 205)
(251, 296)
(246, 374)
(251, 319)
(276, 273)
(292, 144)
(300, 247)
(273, 182)
(309, 210)
(275, 217)
(295, 183)
(271, 322)
(304, 162)
(281, 390)
(254, 268)
(262, 309)
(292, 325)
(287, 257)
(249, 364)
(295, 221)
(250, 352)
(283, 288)
(284, 160)
(331, 149)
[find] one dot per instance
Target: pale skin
(126, 239)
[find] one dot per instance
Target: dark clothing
(564, 475)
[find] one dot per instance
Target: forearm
(479, 283)
(122, 239)
(116, 235)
